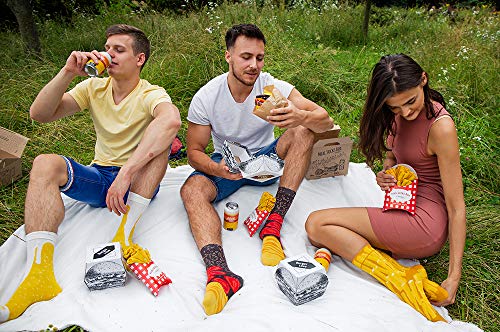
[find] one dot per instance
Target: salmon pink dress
(424, 233)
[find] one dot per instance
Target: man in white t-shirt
(222, 109)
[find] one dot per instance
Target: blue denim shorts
(226, 187)
(90, 184)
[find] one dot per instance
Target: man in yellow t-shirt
(135, 124)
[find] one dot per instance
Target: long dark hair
(393, 74)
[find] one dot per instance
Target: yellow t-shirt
(119, 128)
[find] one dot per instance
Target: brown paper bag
(276, 100)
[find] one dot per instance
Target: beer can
(95, 69)
(231, 214)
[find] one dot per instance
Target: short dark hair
(140, 42)
(247, 30)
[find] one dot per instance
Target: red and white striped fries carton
(260, 213)
(151, 276)
(402, 197)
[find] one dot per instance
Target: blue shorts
(226, 187)
(90, 184)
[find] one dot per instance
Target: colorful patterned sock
(272, 250)
(221, 282)
(433, 291)
(407, 285)
(39, 283)
(136, 205)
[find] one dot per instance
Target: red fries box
(151, 276)
(139, 261)
(260, 213)
(403, 195)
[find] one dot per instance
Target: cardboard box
(330, 155)
(104, 266)
(11, 148)
(301, 278)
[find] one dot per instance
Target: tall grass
(321, 51)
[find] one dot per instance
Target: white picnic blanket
(353, 301)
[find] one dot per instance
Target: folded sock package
(301, 278)
(104, 267)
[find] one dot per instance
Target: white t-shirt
(214, 105)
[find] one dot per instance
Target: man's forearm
(318, 120)
(157, 138)
(201, 162)
(48, 99)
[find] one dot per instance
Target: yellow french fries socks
(136, 206)
(433, 291)
(39, 283)
(407, 285)
(221, 282)
(272, 250)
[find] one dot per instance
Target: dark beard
(241, 80)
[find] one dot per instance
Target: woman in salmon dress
(404, 122)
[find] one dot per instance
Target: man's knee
(198, 188)
(300, 137)
(50, 167)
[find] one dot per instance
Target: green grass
(322, 53)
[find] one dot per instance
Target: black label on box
(302, 264)
(104, 251)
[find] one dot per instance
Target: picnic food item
(403, 174)
(403, 195)
(260, 214)
(264, 105)
(139, 261)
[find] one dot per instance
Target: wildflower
(477, 138)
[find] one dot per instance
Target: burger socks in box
(136, 206)
(39, 283)
(221, 282)
(272, 251)
(406, 284)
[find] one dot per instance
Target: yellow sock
(120, 233)
(39, 285)
(407, 285)
(215, 298)
(272, 252)
(433, 291)
(324, 262)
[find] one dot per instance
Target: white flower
(477, 138)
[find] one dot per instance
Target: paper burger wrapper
(403, 195)
(266, 102)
